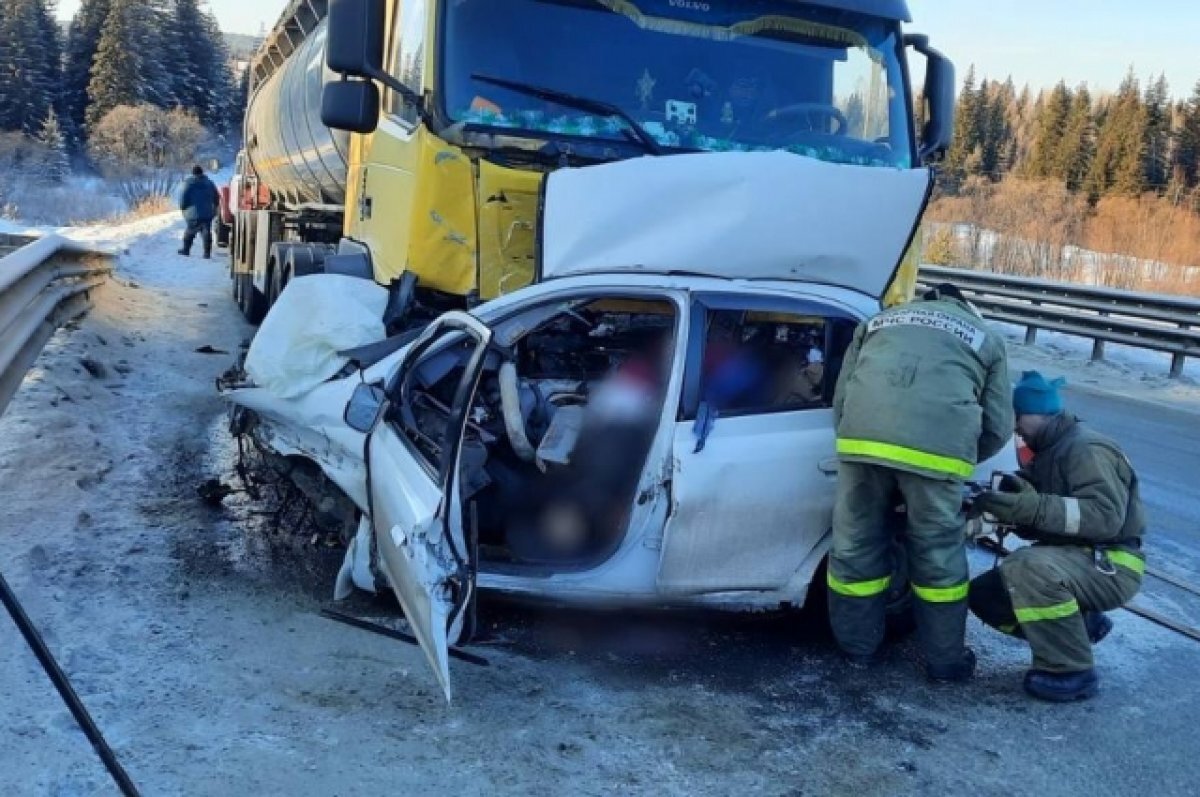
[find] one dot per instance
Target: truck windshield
(717, 75)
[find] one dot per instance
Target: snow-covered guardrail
(1105, 315)
(43, 284)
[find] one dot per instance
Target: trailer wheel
(252, 302)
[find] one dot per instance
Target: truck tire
(223, 234)
(253, 303)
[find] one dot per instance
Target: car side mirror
(362, 411)
(351, 105)
(938, 133)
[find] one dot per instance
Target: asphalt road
(193, 634)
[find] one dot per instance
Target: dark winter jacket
(200, 199)
(1088, 490)
(924, 388)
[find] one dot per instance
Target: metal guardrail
(1105, 315)
(43, 284)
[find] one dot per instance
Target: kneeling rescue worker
(1078, 501)
(923, 395)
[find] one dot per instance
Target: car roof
(858, 303)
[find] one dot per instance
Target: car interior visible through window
(559, 428)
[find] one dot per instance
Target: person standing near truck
(923, 395)
(1078, 502)
(198, 204)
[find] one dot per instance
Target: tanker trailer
(291, 179)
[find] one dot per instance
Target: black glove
(1016, 503)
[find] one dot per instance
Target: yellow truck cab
(442, 118)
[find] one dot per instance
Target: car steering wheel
(808, 110)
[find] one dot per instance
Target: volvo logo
(690, 5)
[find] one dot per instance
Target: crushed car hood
(738, 215)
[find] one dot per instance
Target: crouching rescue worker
(923, 395)
(1078, 501)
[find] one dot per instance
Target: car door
(415, 507)
(753, 479)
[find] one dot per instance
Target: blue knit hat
(1033, 395)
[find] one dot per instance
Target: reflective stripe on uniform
(858, 589)
(942, 594)
(1071, 516)
(906, 456)
(1055, 612)
(1126, 559)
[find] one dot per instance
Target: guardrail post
(1177, 361)
(1031, 331)
(1097, 344)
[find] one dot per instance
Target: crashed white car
(649, 423)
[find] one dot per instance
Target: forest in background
(133, 90)
(1068, 185)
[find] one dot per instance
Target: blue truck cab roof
(888, 9)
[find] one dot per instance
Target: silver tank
(299, 159)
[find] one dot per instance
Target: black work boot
(1062, 687)
(1098, 626)
(955, 672)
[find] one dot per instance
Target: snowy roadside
(1138, 374)
(194, 638)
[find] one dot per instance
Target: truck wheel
(253, 303)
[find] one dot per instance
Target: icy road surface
(192, 633)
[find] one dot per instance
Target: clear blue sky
(1036, 41)
(1093, 41)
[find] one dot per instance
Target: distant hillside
(241, 45)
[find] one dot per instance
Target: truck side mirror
(354, 42)
(354, 49)
(938, 133)
(351, 105)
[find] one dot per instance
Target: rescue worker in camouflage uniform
(1078, 501)
(923, 395)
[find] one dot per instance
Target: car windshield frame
(881, 38)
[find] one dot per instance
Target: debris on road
(94, 367)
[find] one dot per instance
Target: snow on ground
(1126, 371)
(192, 633)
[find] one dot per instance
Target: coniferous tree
(996, 131)
(966, 126)
(1130, 124)
(83, 39)
(57, 163)
(1157, 137)
(220, 78)
(1187, 152)
(1079, 141)
(1045, 157)
(28, 66)
(121, 68)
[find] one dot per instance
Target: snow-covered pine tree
(121, 69)
(83, 38)
(28, 73)
(56, 164)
